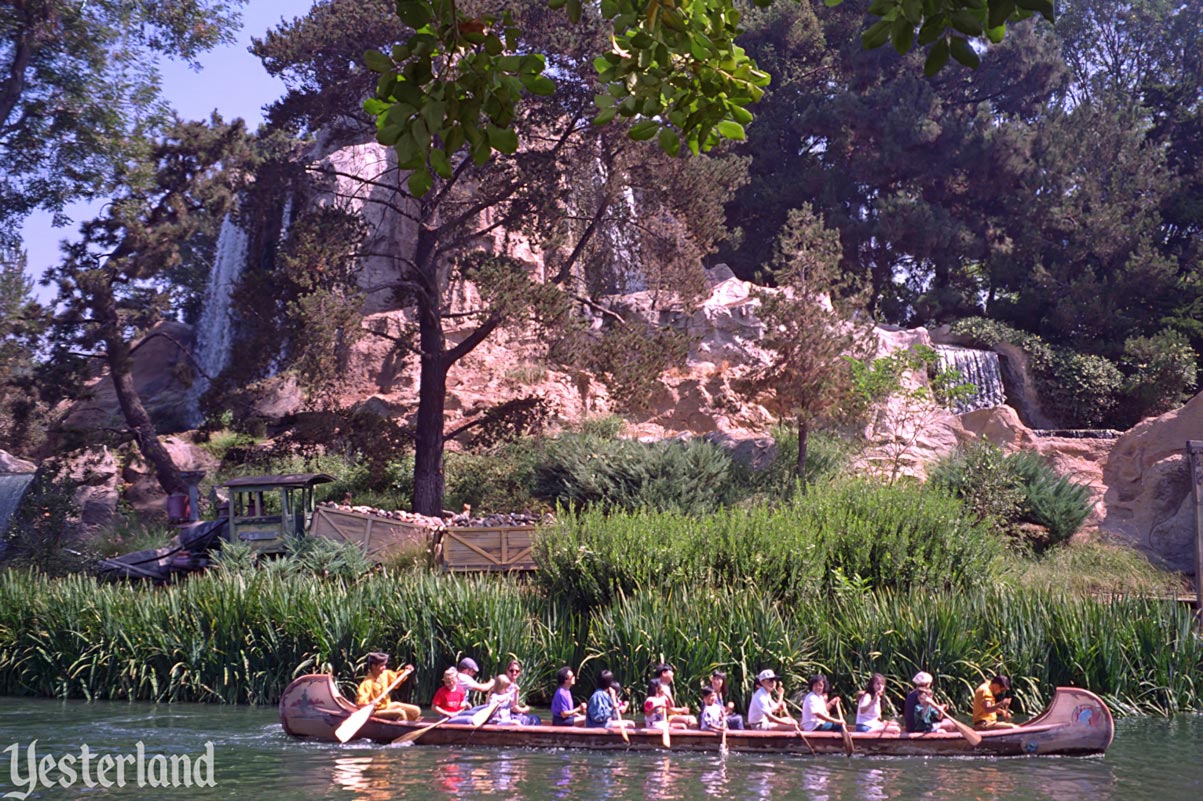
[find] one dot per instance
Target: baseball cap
(468, 663)
(921, 678)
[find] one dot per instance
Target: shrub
(1019, 488)
(826, 458)
(846, 533)
(1080, 389)
(1050, 499)
(581, 470)
(500, 479)
(1161, 374)
(980, 474)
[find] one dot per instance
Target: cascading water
(978, 367)
(215, 330)
(12, 489)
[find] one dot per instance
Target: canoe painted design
(1076, 723)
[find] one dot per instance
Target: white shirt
(762, 704)
(812, 705)
(868, 711)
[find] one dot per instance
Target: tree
(110, 282)
(21, 327)
(602, 210)
(812, 324)
(673, 69)
(79, 82)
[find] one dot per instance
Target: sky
(230, 80)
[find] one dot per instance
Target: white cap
(922, 678)
(765, 674)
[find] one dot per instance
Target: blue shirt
(561, 707)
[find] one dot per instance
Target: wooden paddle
(412, 737)
(622, 729)
(722, 746)
(482, 717)
(798, 728)
(849, 748)
(966, 731)
(351, 726)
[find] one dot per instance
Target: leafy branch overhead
(673, 70)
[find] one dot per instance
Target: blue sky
(230, 80)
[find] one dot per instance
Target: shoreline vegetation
(665, 554)
(240, 634)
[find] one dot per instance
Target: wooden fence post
(1194, 451)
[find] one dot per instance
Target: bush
(1161, 374)
(1010, 490)
(1080, 390)
(500, 479)
(826, 458)
(980, 474)
(846, 534)
(1050, 499)
(581, 470)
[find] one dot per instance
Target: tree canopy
(78, 83)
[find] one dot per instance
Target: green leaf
(876, 35)
(481, 153)
(645, 129)
(493, 45)
(375, 106)
(937, 57)
(556, 4)
(670, 143)
(967, 23)
(385, 86)
(932, 30)
(502, 139)
(539, 84)
(1042, 7)
(414, 13)
(420, 182)
(440, 162)
(963, 52)
(730, 129)
(913, 11)
(997, 34)
(605, 115)
(902, 35)
(1000, 12)
(434, 112)
(574, 11)
(400, 52)
(832, 3)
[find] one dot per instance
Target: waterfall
(978, 367)
(215, 330)
(12, 489)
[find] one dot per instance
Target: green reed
(240, 636)
(850, 532)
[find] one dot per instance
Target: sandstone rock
(15, 464)
(98, 488)
(1148, 499)
(163, 378)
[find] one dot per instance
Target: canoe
(1076, 723)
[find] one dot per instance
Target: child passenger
(714, 714)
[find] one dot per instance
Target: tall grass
(845, 533)
(240, 636)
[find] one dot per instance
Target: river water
(1152, 759)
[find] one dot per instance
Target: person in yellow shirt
(378, 680)
(991, 705)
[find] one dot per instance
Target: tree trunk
(803, 434)
(136, 417)
(429, 481)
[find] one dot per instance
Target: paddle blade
(665, 739)
(626, 738)
(966, 731)
(354, 722)
(849, 748)
(413, 736)
(482, 717)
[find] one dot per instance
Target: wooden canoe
(1076, 723)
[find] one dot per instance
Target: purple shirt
(562, 708)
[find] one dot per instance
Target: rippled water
(1151, 760)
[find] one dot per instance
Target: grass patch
(1092, 568)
